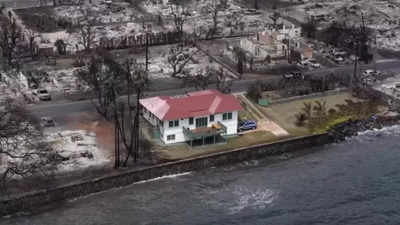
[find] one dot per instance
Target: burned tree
(179, 19)
(275, 16)
(178, 57)
(127, 114)
(109, 81)
(213, 10)
(240, 60)
(87, 32)
(22, 152)
(100, 75)
(9, 36)
(224, 84)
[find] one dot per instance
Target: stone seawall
(35, 199)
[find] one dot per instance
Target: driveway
(263, 122)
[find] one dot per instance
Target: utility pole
(355, 64)
(147, 31)
(375, 52)
(147, 51)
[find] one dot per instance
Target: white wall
(178, 131)
(231, 125)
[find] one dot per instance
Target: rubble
(77, 148)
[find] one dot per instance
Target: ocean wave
(245, 198)
(163, 177)
(371, 135)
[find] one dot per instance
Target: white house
(194, 116)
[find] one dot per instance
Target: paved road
(63, 110)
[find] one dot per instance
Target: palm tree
(320, 108)
(307, 109)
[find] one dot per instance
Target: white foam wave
(245, 198)
(128, 186)
(163, 177)
(371, 135)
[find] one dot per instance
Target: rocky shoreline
(352, 127)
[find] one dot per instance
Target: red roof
(193, 104)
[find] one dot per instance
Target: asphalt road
(62, 110)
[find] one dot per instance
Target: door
(202, 122)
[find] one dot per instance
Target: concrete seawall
(35, 199)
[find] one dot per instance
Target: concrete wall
(36, 199)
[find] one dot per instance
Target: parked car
(47, 122)
(353, 57)
(313, 63)
(42, 94)
(338, 59)
(294, 75)
(288, 76)
(370, 72)
(247, 125)
(302, 64)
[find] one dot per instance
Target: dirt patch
(104, 131)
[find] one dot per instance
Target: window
(191, 121)
(171, 137)
(211, 118)
(227, 116)
(173, 123)
(201, 122)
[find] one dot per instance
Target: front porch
(205, 135)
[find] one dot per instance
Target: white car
(338, 59)
(370, 72)
(302, 64)
(42, 94)
(313, 63)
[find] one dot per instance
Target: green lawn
(284, 113)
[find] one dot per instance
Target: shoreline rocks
(352, 127)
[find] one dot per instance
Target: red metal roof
(193, 104)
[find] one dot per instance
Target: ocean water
(353, 182)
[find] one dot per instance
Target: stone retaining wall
(39, 198)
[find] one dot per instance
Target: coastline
(41, 198)
(280, 149)
(351, 128)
